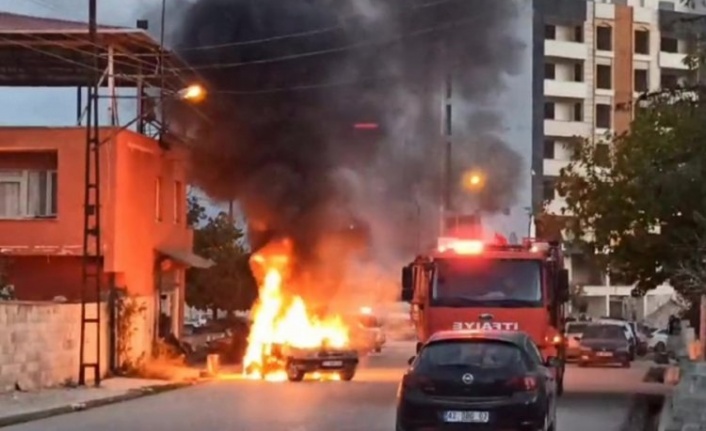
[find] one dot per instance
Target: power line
(334, 50)
(306, 33)
(304, 87)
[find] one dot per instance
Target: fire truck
(471, 284)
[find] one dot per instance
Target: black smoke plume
(283, 141)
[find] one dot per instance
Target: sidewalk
(20, 407)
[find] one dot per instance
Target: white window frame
(21, 176)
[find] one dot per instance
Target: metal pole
(91, 271)
(447, 186)
(113, 104)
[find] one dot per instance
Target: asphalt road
(595, 399)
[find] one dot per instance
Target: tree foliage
(641, 206)
(228, 285)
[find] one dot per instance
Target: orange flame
(280, 319)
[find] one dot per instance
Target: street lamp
(473, 180)
(194, 93)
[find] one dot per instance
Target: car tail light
(417, 381)
(523, 384)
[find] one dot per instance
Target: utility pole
(231, 216)
(447, 177)
(92, 265)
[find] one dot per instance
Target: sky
(57, 107)
(518, 128)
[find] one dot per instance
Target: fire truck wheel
(348, 374)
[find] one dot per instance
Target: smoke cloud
(285, 100)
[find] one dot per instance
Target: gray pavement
(595, 399)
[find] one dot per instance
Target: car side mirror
(407, 283)
(562, 285)
(552, 362)
(410, 361)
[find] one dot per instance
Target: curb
(131, 394)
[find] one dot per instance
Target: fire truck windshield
(511, 283)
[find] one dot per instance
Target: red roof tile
(10, 22)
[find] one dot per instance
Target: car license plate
(466, 417)
(605, 354)
(332, 363)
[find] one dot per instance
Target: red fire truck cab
(475, 285)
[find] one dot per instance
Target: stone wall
(40, 342)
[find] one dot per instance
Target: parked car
(605, 343)
(573, 333)
(631, 336)
(657, 341)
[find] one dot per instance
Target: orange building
(146, 241)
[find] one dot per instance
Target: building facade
(598, 57)
(146, 241)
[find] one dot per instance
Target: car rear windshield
(575, 328)
(483, 354)
(604, 332)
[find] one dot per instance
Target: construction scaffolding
(39, 52)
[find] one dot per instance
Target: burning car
(297, 362)
(286, 340)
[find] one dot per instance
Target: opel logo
(467, 378)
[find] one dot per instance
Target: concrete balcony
(552, 167)
(562, 49)
(662, 289)
(669, 60)
(565, 89)
(566, 129)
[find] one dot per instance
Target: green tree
(195, 213)
(229, 284)
(640, 208)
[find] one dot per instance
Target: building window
(604, 79)
(669, 44)
(604, 38)
(602, 155)
(158, 199)
(603, 116)
(549, 71)
(667, 81)
(666, 5)
(578, 72)
(548, 149)
(641, 81)
(179, 200)
(548, 110)
(28, 194)
(578, 111)
(549, 188)
(550, 32)
(578, 34)
(642, 42)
